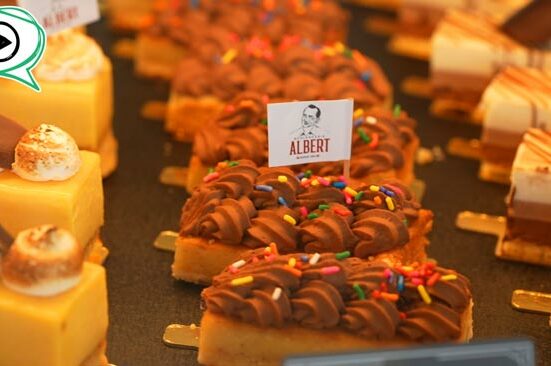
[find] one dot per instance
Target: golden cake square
(75, 204)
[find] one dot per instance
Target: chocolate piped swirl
(402, 198)
(237, 19)
(228, 80)
(264, 79)
(378, 230)
(269, 227)
(251, 142)
(385, 155)
(228, 221)
(314, 196)
(302, 87)
(284, 186)
(448, 292)
(318, 305)
(202, 202)
(349, 295)
(299, 59)
(210, 144)
(192, 78)
(238, 180)
(373, 318)
(430, 323)
(343, 85)
(211, 45)
(245, 110)
(330, 232)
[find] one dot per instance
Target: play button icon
(9, 41)
(22, 44)
(4, 42)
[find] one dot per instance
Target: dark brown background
(144, 298)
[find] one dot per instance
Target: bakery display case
(263, 265)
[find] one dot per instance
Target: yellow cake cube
(62, 330)
(75, 204)
(84, 109)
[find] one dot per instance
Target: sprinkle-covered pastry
(212, 31)
(240, 207)
(295, 70)
(383, 141)
(259, 206)
(326, 303)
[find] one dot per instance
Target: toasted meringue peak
(46, 153)
(70, 56)
(43, 261)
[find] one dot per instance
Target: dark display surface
(144, 298)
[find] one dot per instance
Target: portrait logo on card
(309, 138)
(309, 131)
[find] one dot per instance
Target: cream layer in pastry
(468, 49)
(517, 99)
(531, 178)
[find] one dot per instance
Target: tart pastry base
(239, 343)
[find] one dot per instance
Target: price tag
(58, 15)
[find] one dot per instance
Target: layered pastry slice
(296, 70)
(528, 232)
(47, 179)
(53, 306)
(77, 95)
(420, 17)
(240, 207)
(517, 99)
(384, 142)
(469, 49)
(284, 305)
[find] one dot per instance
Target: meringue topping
(46, 153)
(70, 56)
(43, 261)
